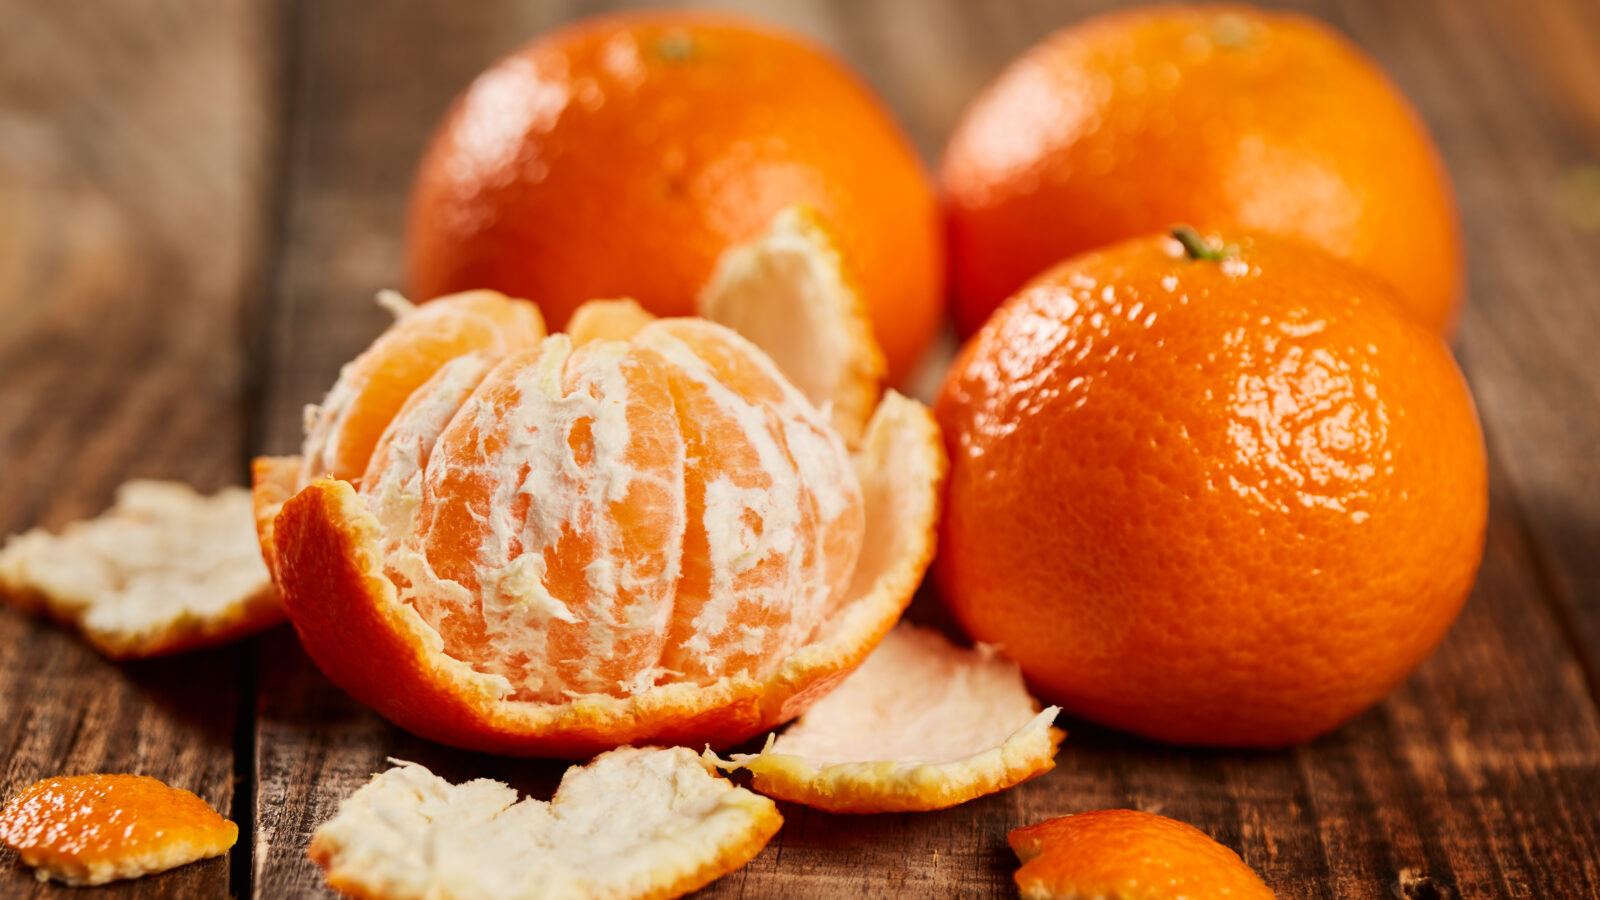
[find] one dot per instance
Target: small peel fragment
(790, 293)
(1128, 854)
(165, 569)
(92, 829)
(634, 823)
(922, 725)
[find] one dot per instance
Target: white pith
(631, 823)
(162, 566)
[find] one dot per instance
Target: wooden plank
(1479, 777)
(133, 148)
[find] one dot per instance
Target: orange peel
(639, 531)
(92, 829)
(922, 725)
(791, 293)
(165, 569)
(632, 824)
(1131, 855)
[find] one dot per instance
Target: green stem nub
(1196, 246)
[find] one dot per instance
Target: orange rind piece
(632, 824)
(1129, 855)
(165, 569)
(791, 293)
(922, 725)
(91, 829)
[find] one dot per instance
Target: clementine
(621, 155)
(647, 530)
(1213, 496)
(1218, 115)
(1130, 855)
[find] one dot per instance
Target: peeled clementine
(1212, 496)
(621, 155)
(644, 530)
(1222, 116)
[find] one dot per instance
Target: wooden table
(198, 200)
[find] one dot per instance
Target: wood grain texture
(132, 144)
(137, 195)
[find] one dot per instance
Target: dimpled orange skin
(1129, 855)
(89, 822)
(1215, 115)
(1210, 508)
(618, 157)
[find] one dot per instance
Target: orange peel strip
(165, 569)
(1128, 854)
(922, 725)
(634, 823)
(329, 553)
(91, 829)
(790, 293)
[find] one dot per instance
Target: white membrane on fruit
(563, 446)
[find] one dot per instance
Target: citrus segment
(165, 569)
(922, 725)
(1129, 855)
(790, 293)
(632, 824)
(341, 432)
(1222, 493)
(91, 829)
(615, 320)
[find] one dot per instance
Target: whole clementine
(1221, 116)
(621, 155)
(1128, 854)
(1212, 497)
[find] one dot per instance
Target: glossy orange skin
(1211, 503)
(618, 157)
(82, 820)
(1218, 116)
(1130, 855)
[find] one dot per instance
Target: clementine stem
(1196, 246)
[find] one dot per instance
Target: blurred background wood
(135, 190)
(198, 201)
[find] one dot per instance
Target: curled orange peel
(791, 293)
(164, 570)
(631, 825)
(922, 725)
